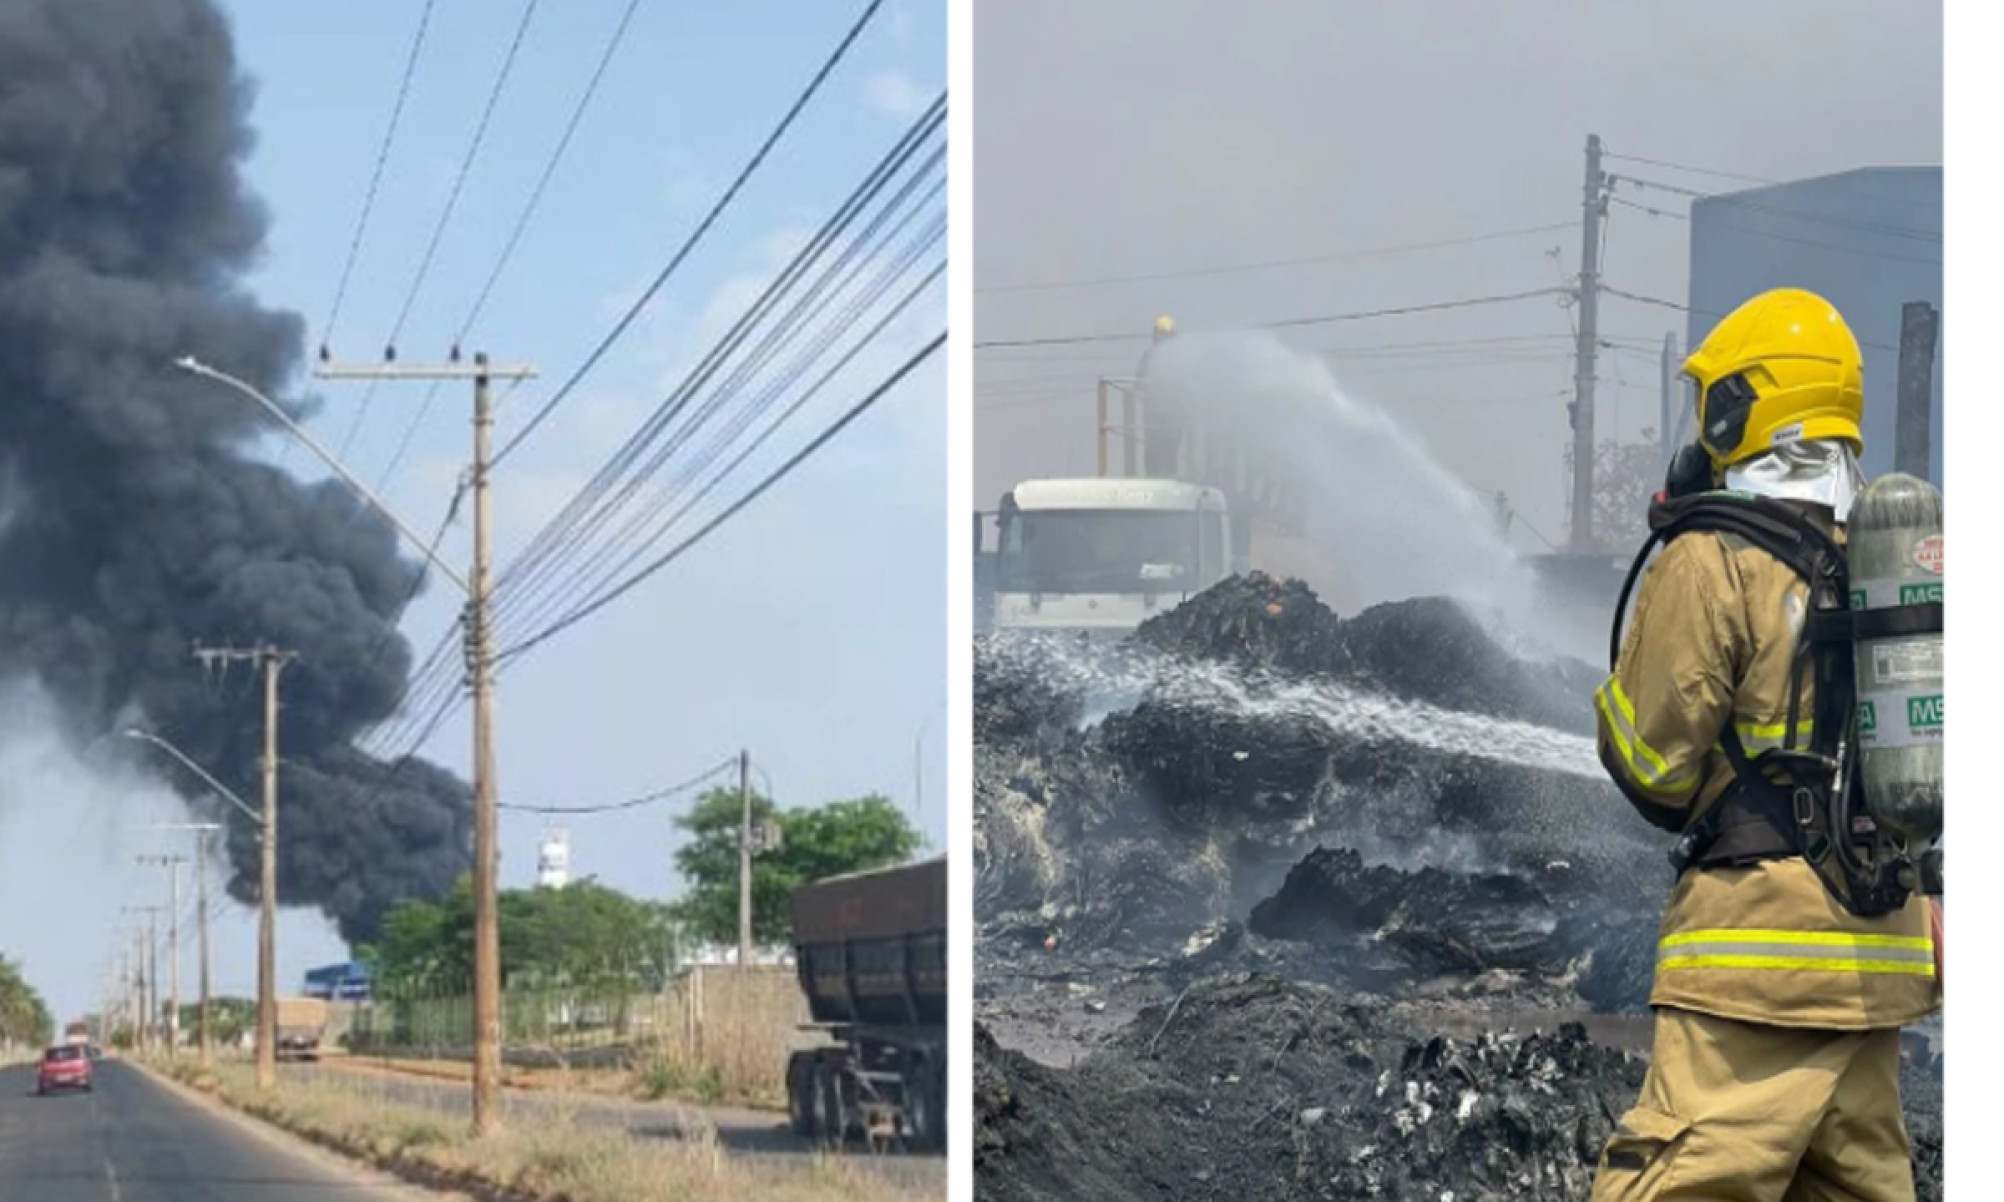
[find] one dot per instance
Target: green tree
(24, 1018)
(822, 841)
(229, 1018)
(581, 934)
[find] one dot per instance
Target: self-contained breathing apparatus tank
(1895, 557)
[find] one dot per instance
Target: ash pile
(1391, 802)
(1251, 1086)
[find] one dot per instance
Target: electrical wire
(1779, 237)
(1261, 265)
(1295, 322)
(375, 179)
(1636, 158)
(549, 170)
(789, 325)
(1883, 229)
(444, 217)
(723, 202)
(610, 595)
(588, 509)
(630, 803)
(1653, 300)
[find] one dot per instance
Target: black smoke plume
(133, 523)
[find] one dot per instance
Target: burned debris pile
(1351, 785)
(1249, 1086)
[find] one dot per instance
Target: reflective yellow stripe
(1803, 938)
(1758, 736)
(1645, 766)
(1813, 964)
(1765, 949)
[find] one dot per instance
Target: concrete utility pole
(1667, 419)
(272, 661)
(202, 831)
(1593, 206)
(1913, 432)
(480, 653)
(149, 973)
(173, 866)
(744, 860)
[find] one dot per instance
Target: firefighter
(1780, 985)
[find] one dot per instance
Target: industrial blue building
(338, 982)
(1869, 240)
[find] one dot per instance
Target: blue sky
(811, 628)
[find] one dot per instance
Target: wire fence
(714, 1031)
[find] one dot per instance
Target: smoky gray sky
(1124, 139)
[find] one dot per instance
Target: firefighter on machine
(1781, 982)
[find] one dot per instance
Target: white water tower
(553, 859)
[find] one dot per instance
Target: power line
(465, 168)
(1261, 265)
(606, 598)
(1884, 229)
(1865, 252)
(695, 236)
(549, 169)
(1636, 158)
(664, 794)
(444, 218)
(1654, 300)
(375, 178)
(587, 509)
(1293, 322)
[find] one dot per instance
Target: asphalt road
(752, 1133)
(135, 1140)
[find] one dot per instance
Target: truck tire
(831, 1117)
(925, 1127)
(800, 1087)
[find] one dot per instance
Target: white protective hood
(1822, 471)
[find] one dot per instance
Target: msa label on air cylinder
(1899, 719)
(1888, 591)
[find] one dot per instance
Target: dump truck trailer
(870, 950)
(302, 1021)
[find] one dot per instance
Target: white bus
(1104, 554)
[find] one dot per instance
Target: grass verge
(552, 1160)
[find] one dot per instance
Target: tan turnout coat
(1715, 625)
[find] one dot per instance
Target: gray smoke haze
(133, 523)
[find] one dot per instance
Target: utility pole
(744, 861)
(201, 831)
(173, 866)
(272, 661)
(480, 654)
(1913, 425)
(1664, 431)
(149, 973)
(1593, 206)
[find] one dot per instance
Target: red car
(65, 1066)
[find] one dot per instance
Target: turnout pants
(1739, 1112)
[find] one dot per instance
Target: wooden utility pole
(1593, 206)
(744, 861)
(173, 866)
(480, 653)
(272, 661)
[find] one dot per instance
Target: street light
(133, 732)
